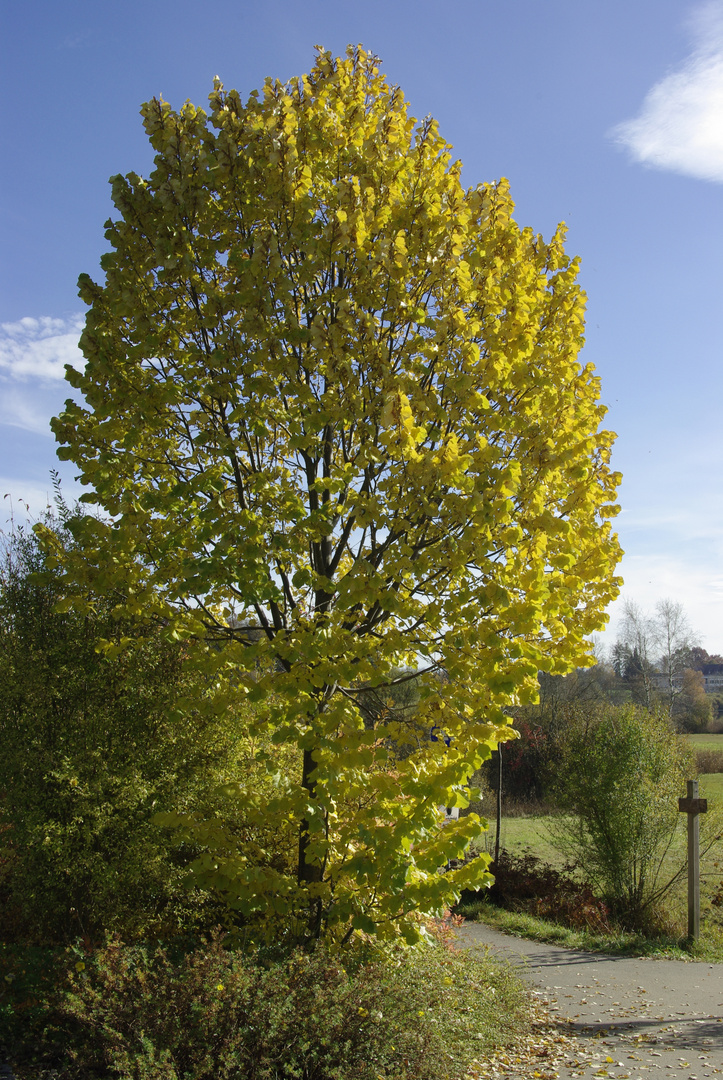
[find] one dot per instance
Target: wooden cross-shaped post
(693, 807)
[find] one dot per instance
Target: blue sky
(606, 116)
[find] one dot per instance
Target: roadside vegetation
(198, 1009)
(113, 961)
(550, 884)
(665, 935)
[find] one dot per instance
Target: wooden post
(693, 807)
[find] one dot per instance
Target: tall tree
(634, 653)
(653, 651)
(331, 393)
(674, 638)
(692, 708)
(700, 658)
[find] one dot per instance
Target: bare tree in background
(635, 650)
(653, 646)
(674, 639)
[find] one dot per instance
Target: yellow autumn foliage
(332, 394)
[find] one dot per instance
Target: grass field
(525, 836)
(529, 834)
(706, 742)
(711, 787)
(522, 835)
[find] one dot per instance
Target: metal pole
(693, 866)
(499, 804)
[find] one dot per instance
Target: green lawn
(529, 835)
(524, 836)
(706, 742)
(711, 787)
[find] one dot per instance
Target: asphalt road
(612, 1016)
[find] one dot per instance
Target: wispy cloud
(683, 524)
(30, 411)
(39, 348)
(680, 124)
(77, 41)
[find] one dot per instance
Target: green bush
(619, 773)
(210, 1014)
(709, 761)
(92, 748)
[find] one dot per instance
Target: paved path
(614, 1016)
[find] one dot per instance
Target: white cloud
(33, 355)
(680, 125)
(39, 348)
(680, 526)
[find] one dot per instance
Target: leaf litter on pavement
(550, 1045)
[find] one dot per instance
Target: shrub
(709, 761)
(525, 883)
(620, 772)
(92, 746)
(31, 978)
(214, 1013)
(523, 762)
